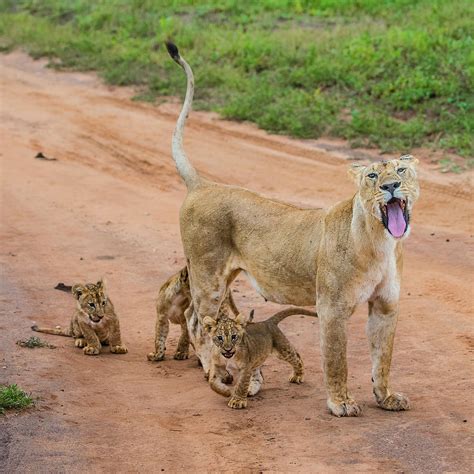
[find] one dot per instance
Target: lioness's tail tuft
(34, 327)
(172, 50)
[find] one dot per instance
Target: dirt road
(109, 207)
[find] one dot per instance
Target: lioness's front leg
(333, 347)
(381, 332)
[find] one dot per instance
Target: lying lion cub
(250, 345)
(94, 322)
(174, 297)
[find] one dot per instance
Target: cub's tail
(184, 166)
(281, 315)
(57, 331)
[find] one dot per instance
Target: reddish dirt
(109, 207)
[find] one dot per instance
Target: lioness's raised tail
(184, 166)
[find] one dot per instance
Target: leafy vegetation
(33, 342)
(394, 74)
(12, 397)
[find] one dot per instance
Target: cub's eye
(234, 337)
(92, 305)
(401, 170)
(104, 302)
(372, 175)
(220, 338)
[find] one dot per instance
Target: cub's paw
(395, 402)
(296, 378)
(178, 355)
(91, 351)
(348, 407)
(118, 349)
(80, 342)
(237, 403)
(227, 378)
(156, 356)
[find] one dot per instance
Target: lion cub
(174, 297)
(249, 344)
(94, 322)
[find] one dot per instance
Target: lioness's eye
(401, 170)
(372, 175)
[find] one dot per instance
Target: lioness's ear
(409, 159)
(355, 171)
(209, 323)
(77, 291)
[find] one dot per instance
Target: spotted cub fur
(249, 345)
(174, 297)
(94, 322)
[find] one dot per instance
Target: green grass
(392, 74)
(12, 397)
(34, 342)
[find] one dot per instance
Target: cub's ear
(355, 171)
(77, 291)
(409, 159)
(209, 323)
(101, 284)
(250, 318)
(241, 319)
(183, 276)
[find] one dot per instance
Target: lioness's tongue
(396, 221)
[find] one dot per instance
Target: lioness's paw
(348, 407)
(237, 403)
(395, 402)
(118, 349)
(179, 355)
(80, 342)
(91, 350)
(296, 378)
(156, 356)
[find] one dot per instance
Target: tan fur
(94, 323)
(174, 297)
(335, 258)
(249, 346)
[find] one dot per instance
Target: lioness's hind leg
(162, 328)
(288, 353)
(182, 351)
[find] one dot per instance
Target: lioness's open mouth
(395, 216)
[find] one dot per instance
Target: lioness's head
(388, 190)
(226, 333)
(91, 299)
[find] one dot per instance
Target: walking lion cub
(94, 323)
(249, 344)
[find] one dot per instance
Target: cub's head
(92, 299)
(226, 333)
(388, 190)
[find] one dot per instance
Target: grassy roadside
(12, 397)
(394, 74)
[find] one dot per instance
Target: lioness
(337, 258)
(249, 345)
(93, 323)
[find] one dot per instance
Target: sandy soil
(109, 206)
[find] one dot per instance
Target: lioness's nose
(390, 187)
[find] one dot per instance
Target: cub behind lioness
(93, 323)
(249, 344)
